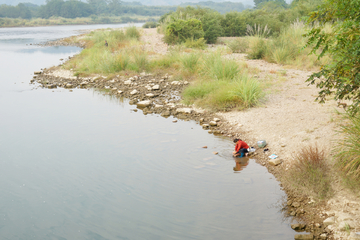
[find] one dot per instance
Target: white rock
(84, 83)
(158, 106)
(186, 82)
(107, 87)
(355, 236)
(136, 78)
(150, 95)
(156, 87)
(213, 123)
(69, 85)
(329, 221)
(274, 162)
(131, 79)
(144, 103)
(112, 81)
(217, 119)
(128, 82)
(171, 105)
(120, 92)
(133, 92)
(184, 110)
(114, 89)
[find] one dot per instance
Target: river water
(80, 165)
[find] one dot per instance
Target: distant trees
(67, 9)
(19, 11)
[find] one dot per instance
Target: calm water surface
(79, 165)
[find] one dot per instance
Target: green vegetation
(122, 53)
(348, 149)
(178, 30)
(341, 77)
(310, 173)
(150, 25)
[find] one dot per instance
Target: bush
(150, 25)
(132, 32)
(310, 173)
(239, 45)
(179, 30)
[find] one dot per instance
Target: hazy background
(143, 2)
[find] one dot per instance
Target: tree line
(92, 8)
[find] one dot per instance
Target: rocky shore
(161, 94)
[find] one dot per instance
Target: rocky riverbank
(288, 120)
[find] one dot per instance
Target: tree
(259, 3)
(341, 77)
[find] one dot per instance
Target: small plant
(310, 172)
(257, 49)
(217, 68)
(239, 45)
(248, 90)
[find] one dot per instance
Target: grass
(122, 53)
(310, 173)
(348, 150)
(287, 48)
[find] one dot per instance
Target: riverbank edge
(159, 94)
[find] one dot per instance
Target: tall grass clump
(257, 48)
(348, 149)
(239, 45)
(190, 62)
(132, 32)
(217, 68)
(248, 90)
(192, 43)
(310, 173)
(258, 31)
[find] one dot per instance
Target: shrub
(199, 43)
(179, 30)
(150, 25)
(310, 172)
(239, 45)
(248, 91)
(132, 32)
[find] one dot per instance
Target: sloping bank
(160, 93)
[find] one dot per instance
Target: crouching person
(241, 148)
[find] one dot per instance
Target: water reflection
(240, 163)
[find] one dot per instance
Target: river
(81, 165)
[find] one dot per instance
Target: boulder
(133, 92)
(184, 110)
(274, 162)
(143, 104)
(296, 204)
(217, 119)
(68, 85)
(156, 87)
(303, 237)
(128, 82)
(298, 226)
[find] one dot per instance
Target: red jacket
(240, 145)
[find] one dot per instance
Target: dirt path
(288, 119)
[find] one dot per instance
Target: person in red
(241, 148)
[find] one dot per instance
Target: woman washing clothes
(241, 148)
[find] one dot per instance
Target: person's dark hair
(236, 140)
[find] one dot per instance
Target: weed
(190, 62)
(199, 43)
(132, 32)
(215, 67)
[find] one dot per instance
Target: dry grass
(310, 172)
